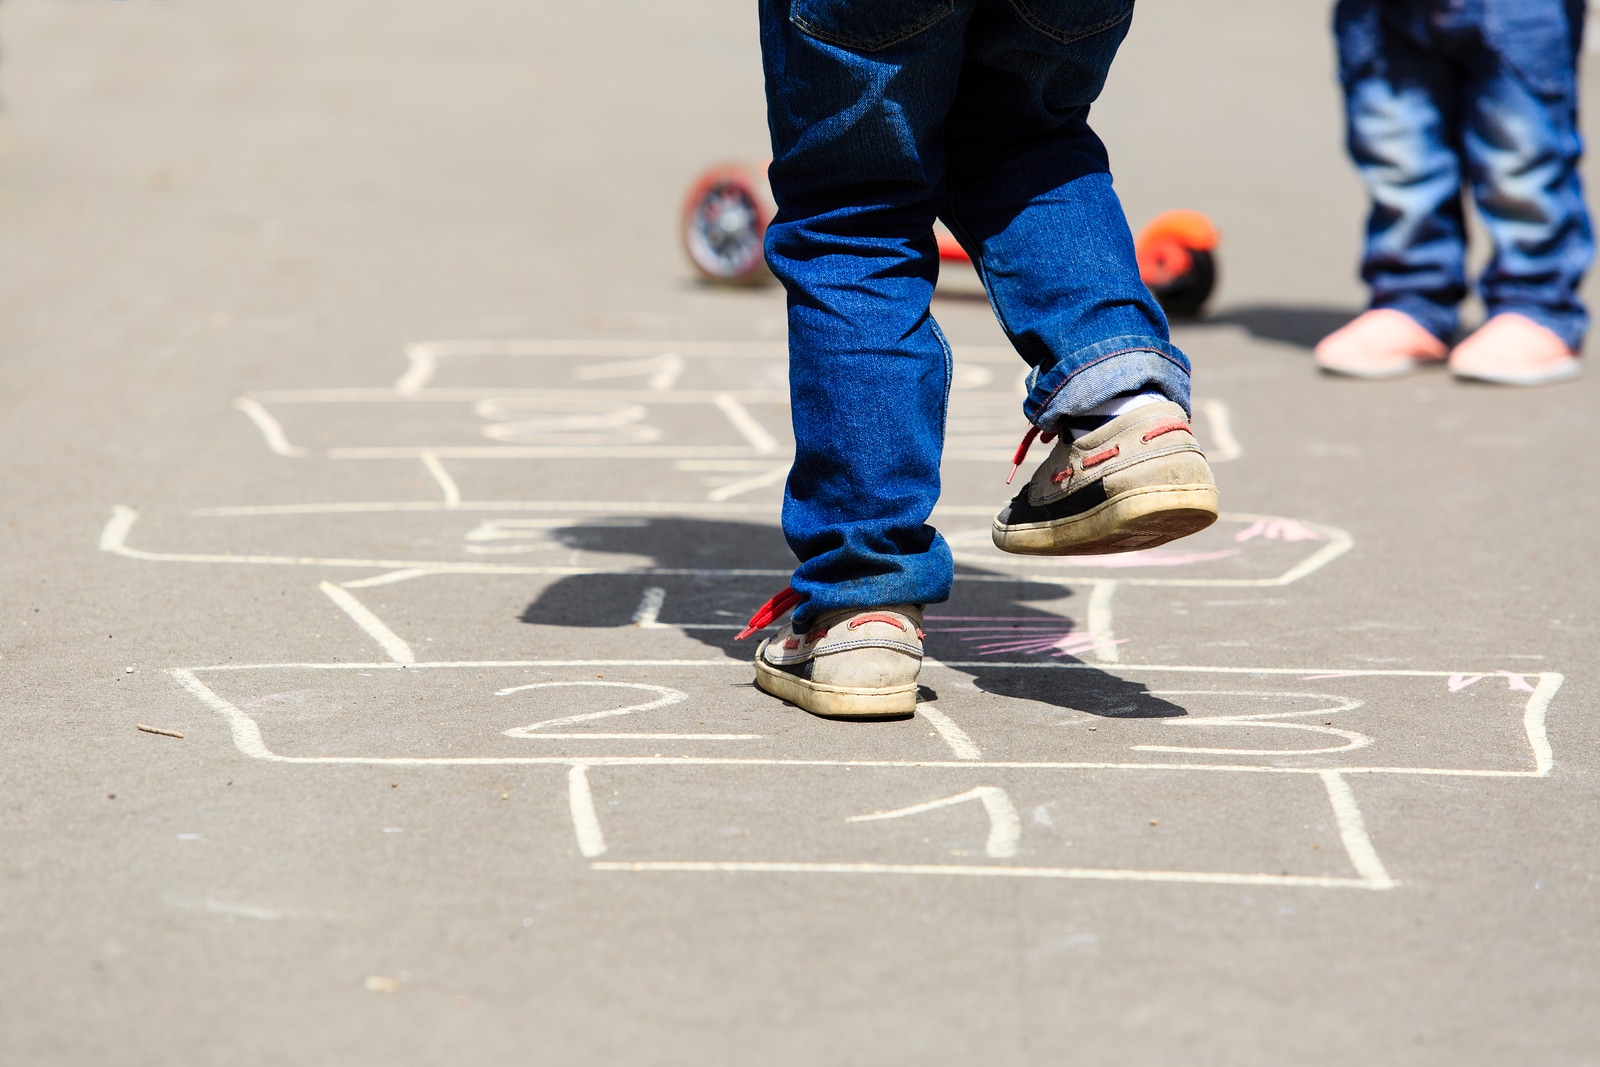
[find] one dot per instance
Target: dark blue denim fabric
(1441, 93)
(884, 115)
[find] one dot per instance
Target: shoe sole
(838, 701)
(1376, 374)
(1565, 373)
(1134, 520)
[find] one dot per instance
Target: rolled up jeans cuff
(1110, 368)
(1438, 319)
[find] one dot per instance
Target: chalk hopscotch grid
(664, 367)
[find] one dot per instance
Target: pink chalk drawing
(1277, 530)
(1458, 682)
(1455, 683)
(1515, 681)
(1058, 639)
(1519, 682)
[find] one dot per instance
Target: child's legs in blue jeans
(858, 109)
(1519, 131)
(1433, 89)
(1401, 121)
(1047, 234)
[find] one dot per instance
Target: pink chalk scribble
(1519, 682)
(1277, 530)
(1457, 682)
(1514, 681)
(997, 638)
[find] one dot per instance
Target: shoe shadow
(713, 574)
(1299, 326)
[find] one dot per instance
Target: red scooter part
(1177, 261)
(726, 214)
(724, 220)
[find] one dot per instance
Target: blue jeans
(1445, 93)
(887, 114)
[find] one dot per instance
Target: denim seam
(945, 11)
(1101, 359)
(1056, 35)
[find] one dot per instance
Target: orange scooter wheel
(1177, 260)
(724, 220)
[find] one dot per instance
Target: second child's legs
(1401, 118)
(1440, 95)
(1522, 146)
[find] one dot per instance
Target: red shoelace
(770, 611)
(1027, 442)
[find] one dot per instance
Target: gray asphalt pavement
(360, 423)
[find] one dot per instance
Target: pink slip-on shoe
(1512, 349)
(1381, 343)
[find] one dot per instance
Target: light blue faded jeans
(887, 114)
(1447, 95)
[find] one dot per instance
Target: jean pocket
(1068, 21)
(866, 25)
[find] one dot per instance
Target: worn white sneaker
(1137, 482)
(850, 664)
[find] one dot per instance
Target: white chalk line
(387, 639)
(1225, 446)
(1353, 832)
(1005, 827)
(247, 738)
(1533, 721)
(663, 370)
(447, 484)
(585, 822)
(649, 609)
(1352, 739)
(271, 430)
(651, 737)
(959, 740)
(672, 398)
(1100, 621)
(744, 485)
(928, 661)
(545, 452)
(424, 356)
(245, 731)
(250, 739)
(751, 430)
(664, 698)
(114, 537)
(1097, 874)
(599, 507)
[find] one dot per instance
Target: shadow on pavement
(982, 619)
(1301, 326)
